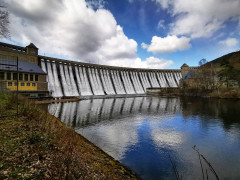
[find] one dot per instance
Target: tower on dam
(39, 75)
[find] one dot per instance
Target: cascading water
(73, 84)
(171, 80)
(153, 79)
(51, 84)
(79, 80)
(118, 83)
(162, 80)
(64, 83)
(136, 83)
(68, 81)
(106, 72)
(58, 88)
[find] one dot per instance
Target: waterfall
(162, 80)
(127, 83)
(130, 83)
(95, 82)
(153, 79)
(68, 81)
(51, 84)
(136, 83)
(79, 81)
(58, 87)
(171, 80)
(99, 83)
(92, 81)
(64, 83)
(178, 77)
(85, 81)
(106, 72)
(74, 87)
(144, 80)
(117, 82)
(107, 83)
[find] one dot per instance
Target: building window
(22, 84)
(9, 83)
(33, 84)
(9, 77)
(36, 77)
(28, 84)
(2, 76)
(14, 76)
(31, 77)
(26, 77)
(15, 84)
(20, 77)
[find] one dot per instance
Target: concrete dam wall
(70, 78)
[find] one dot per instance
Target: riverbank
(230, 93)
(36, 145)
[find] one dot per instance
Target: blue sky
(133, 33)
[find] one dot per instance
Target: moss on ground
(36, 145)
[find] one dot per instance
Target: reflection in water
(142, 132)
(89, 112)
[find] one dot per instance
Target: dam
(69, 78)
(48, 76)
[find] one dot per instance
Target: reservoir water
(152, 135)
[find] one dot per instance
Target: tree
(228, 72)
(202, 62)
(4, 23)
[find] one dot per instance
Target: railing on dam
(70, 78)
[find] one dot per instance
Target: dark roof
(31, 45)
(28, 67)
(184, 65)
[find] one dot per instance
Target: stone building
(29, 78)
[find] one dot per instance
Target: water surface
(143, 133)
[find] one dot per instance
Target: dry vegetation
(36, 145)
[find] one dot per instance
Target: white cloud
(150, 62)
(167, 44)
(72, 29)
(230, 42)
(156, 63)
(161, 24)
(200, 18)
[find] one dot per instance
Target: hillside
(232, 58)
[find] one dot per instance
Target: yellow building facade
(29, 78)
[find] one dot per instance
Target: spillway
(68, 78)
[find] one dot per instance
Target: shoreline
(233, 93)
(46, 148)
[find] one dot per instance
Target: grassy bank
(229, 93)
(36, 145)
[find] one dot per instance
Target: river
(153, 135)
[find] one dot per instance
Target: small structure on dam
(71, 78)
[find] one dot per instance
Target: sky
(158, 34)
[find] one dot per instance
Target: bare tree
(4, 23)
